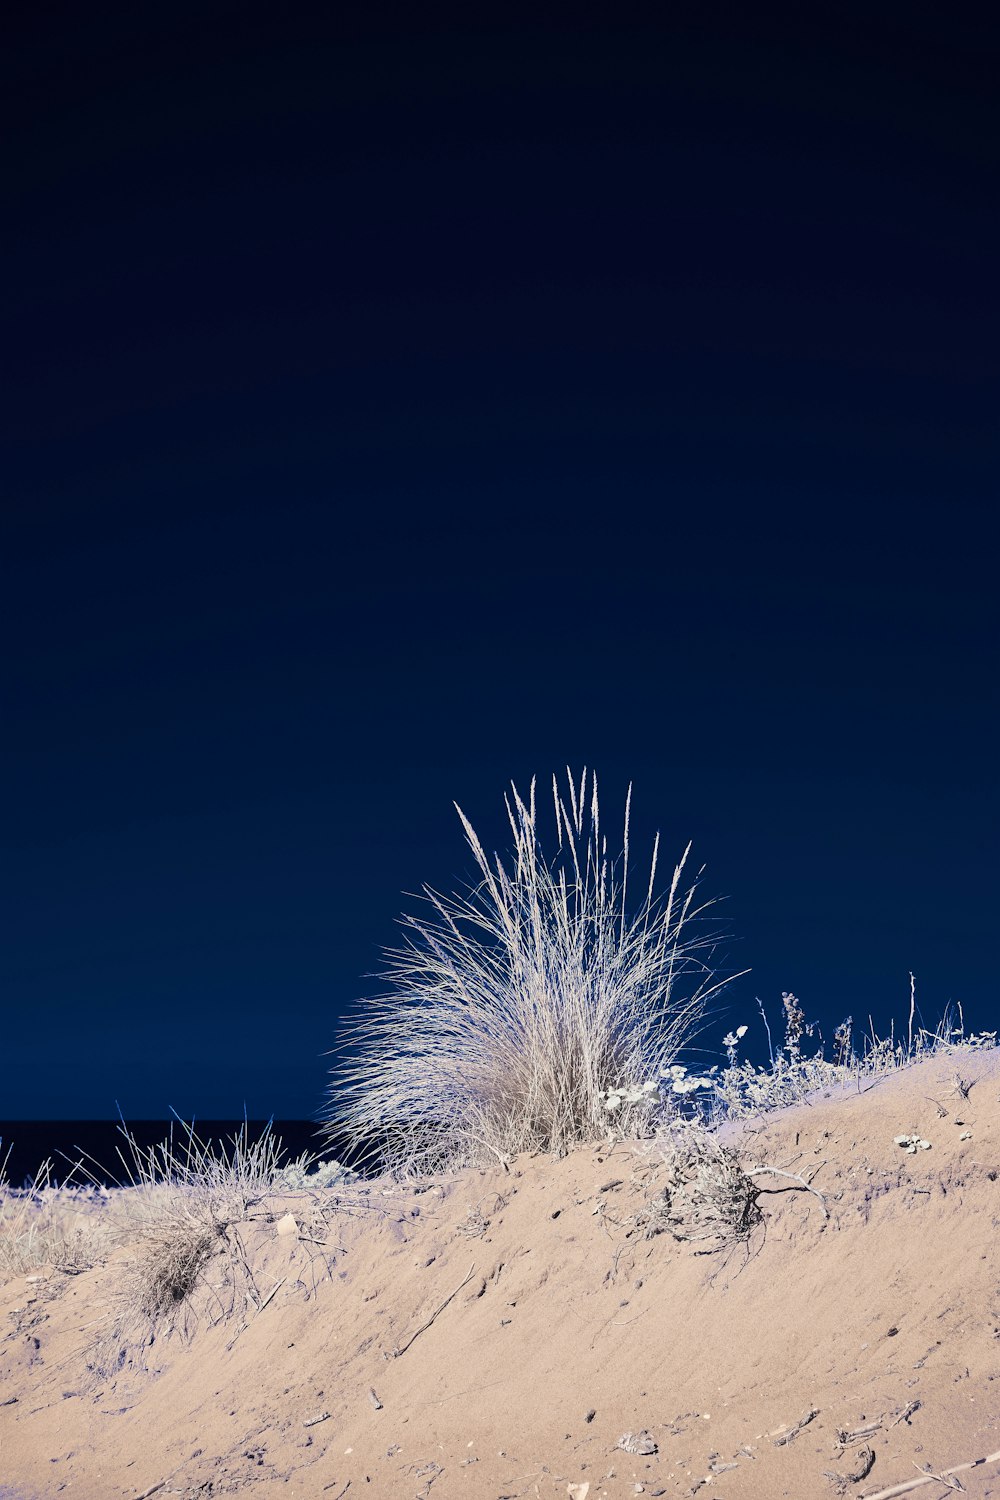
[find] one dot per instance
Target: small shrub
(705, 1193)
(517, 1011)
(303, 1176)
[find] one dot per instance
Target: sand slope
(564, 1332)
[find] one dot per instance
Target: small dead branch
(155, 1488)
(793, 1432)
(323, 1416)
(906, 1414)
(863, 1467)
(949, 1484)
(866, 1462)
(260, 1308)
(374, 1400)
(847, 1439)
(929, 1478)
(401, 1349)
(779, 1172)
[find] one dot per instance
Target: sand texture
(500, 1334)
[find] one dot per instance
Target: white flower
(613, 1102)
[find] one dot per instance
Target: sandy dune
(498, 1334)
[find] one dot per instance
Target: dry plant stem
(424, 1326)
(866, 1462)
(777, 1172)
(915, 1484)
(271, 1293)
(154, 1488)
(793, 1432)
(848, 1439)
(906, 1413)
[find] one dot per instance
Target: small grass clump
(533, 1013)
(48, 1223)
(182, 1203)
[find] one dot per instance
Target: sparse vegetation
(704, 1193)
(742, 1089)
(182, 1202)
(522, 1015)
(48, 1223)
(177, 1205)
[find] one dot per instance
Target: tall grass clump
(533, 1012)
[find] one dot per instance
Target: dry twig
(424, 1326)
(778, 1172)
(926, 1478)
(793, 1432)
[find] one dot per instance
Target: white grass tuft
(516, 1010)
(48, 1223)
(181, 1203)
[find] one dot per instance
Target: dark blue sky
(397, 407)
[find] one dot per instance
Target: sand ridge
(516, 1333)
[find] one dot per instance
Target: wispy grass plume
(519, 1014)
